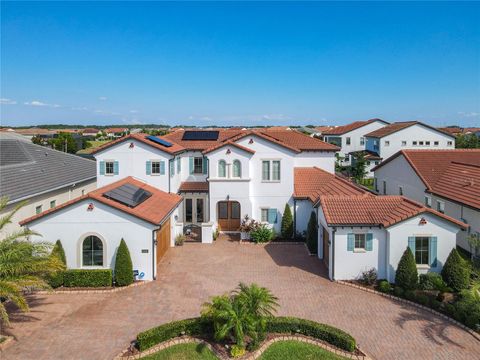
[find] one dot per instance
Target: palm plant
(23, 264)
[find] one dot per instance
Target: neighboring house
(351, 137)
(446, 180)
(91, 226)
(116, 132)
(407, 135)
(90, 132)
(41, 176)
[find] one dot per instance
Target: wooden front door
(163, 240)
(228, 215)
(326, 252)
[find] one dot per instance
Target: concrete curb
(426, 308)
(93, 291)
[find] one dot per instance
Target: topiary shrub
(455, 272)
(55, 279)
(312, 234)
(262, 234)
(287, 223)
(384, 286)
(87, 278)
(467, 310)
(123, 266)
(406, 275)
(59, 252)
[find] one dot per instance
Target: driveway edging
(96, 291)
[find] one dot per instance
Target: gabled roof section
(311, 183)
(375, 210)
(340, 130)
(298, 140)
(174, 149)
(193, 186)
(153, 210)
(28, 170)
(200, 145)
(397, 126)
(228, 142)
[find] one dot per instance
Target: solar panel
(127, 194)
(200, 135)
(159, 141)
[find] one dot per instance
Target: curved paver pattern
(98, 326)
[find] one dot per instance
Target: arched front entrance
(228, 215)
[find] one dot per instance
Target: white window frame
(54, 202)
(195, 166)
(360, 248)
(151, 167)
(106, 167)
(270, 170)
(225, 169)
(428, 201)
(262, 210)
(427, 265)
(404, 142)
(38, 209)
(233, 169)
(348, 140)
(362, 141)
(441, 206)
(427, 143)
(387, 143)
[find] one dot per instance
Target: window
(223, 210)
(404, 143)
(155, 167)
(414, 143)
(92, 251)
(440, 206)
(368, 163)
(222, 169)
(199, 210)
(237, 169)
(264, 217)
(198, 165)
(427, 143)
(421, 250)
(53, 203)
(269, 215)
(375, 144)
(188, 210)
(347, 140)
(377, 162)
(449, 143)
(435, 143)
(83, 192)
(360, 242)
(38, 209)
(420, 143)
(235, 210)
(362, 141)
(109, 167)
(271, 170)
(384, 187)
(387, 143)
(400, 190)
(428, 201)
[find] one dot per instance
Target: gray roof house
(41, 176)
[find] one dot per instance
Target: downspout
(154, 241)
(333, 253)
(169, 175)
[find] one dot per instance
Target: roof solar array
(200, 135)
(129, 195)
(159, 141)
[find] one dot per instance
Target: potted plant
(246, 227)
(180, 239)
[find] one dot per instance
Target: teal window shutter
(190, 163)
(350, 242)
(369, 242)
(179, 165)
(433, 251)
(172, 168)
(411, 244)
(272, 216)
(115, 168)
(102, 167)
(148, 169)
(205, 166)
(162, 167)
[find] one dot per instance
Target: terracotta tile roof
(153, 210)
(116, 130)
(374, 210)
(193, 186)
(397, 126)
(223, 135)
(174, 149)
(451, 130)
(228, 142)
(312, 182)
(339, 130)
(298, 140)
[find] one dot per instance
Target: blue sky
(239, 63)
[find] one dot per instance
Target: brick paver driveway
(98, 326)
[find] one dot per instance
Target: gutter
(334, 230)
(154, 243)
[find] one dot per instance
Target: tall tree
(287, 223)
(359, 168)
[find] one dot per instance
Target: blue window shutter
(190, 163)
(162, 167)
(115, 168)
(369, 242)
(148, 169)
(102, 167)
(205, 166)
(179, 165)
(411, 244)
(172, 168)
(350, 242)
(433, 251)
(272, 216)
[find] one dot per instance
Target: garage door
(163, 240)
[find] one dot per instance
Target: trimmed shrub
(312, 234)
(406, 275)
(398, 291)
(467, 310)
(59, 252)
(432, 281)
(237, 351)
(409, 295)
(123, 266)
(369, 277)
(384, 286)
(201, 327)
(262, 234)
(87, 278)
(455, 272)
(422, 299)
(55, 279)
(334, 336)
(287, 223)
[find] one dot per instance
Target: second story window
(435, 143)
(198, 165)
(347, 140)
(271, 170)
(53, 203)
(400, 190)
(449, 143)
(428, 201)
(237, 169)
(38, 209)
(155, 167)
(109, 167)
(384, 187)
(387, 143)
(362, 141)
(404, 143)
(440, 206)
(222, 169)
(414, 143)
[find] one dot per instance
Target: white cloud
(102, 98)
(83, 108)
(39, 103)
(469, 114)
(133, 111)
(4, 101)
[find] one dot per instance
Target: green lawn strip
(296, 350)
(190, 351)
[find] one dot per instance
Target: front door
(228, 214)
(194, 210)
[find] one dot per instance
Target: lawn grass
(296, 350)
(190, 351)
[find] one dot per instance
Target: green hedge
(316, 330)
(87, 278)
(200, 327)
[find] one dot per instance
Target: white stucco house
(445, 180)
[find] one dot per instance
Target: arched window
(92, 251)
(222, 169)
(237, 169)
